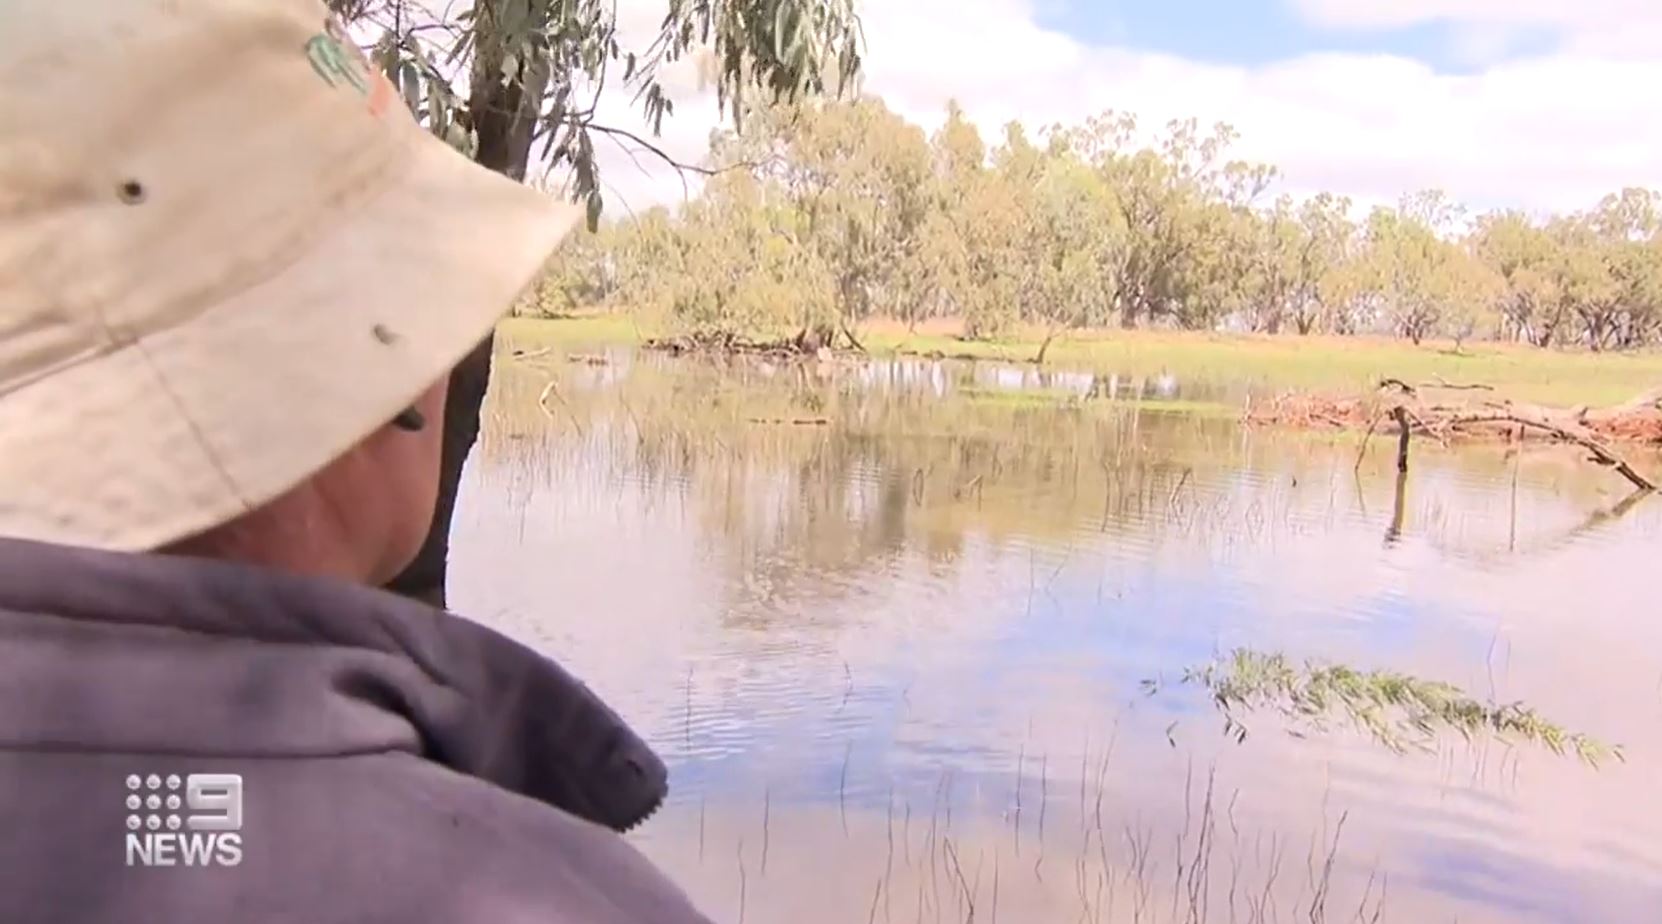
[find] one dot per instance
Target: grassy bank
(1316, 363)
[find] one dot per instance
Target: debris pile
(1445, 411)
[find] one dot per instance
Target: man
(233, 276)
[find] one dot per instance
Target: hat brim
(192, 426)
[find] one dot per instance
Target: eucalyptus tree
(941, 262)
(1296, 247)
(858, 176)
(1401, 259)
(1079, 247)
(1176, 200)
(1628, 226)
(1525, 255)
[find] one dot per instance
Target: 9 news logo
(207, 806)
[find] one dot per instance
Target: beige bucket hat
(227, 254)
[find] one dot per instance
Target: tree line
(832, 212)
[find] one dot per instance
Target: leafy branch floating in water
(1398, 710)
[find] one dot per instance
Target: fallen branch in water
(542, 404)
(531, 354)
(793, 421)
(941, 354)
(853, 341)
(1439, 421)
(1406, 404)
(1602, 454)
(816, 344)
(721, 343)
(1398, 710)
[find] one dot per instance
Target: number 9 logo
(215, 801)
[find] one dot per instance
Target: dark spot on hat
(131, 192)
(384, 334)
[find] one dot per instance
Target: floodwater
(889, 625)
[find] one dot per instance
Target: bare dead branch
(1439, 382)
(1568, 433)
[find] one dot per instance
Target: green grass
(578, 330)
(1183, 406)
(1341, 364)
(1399, 710)
(1019, 397)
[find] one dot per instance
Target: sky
(1545, 105)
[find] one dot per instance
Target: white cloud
(1550, 132)
(1567, 14)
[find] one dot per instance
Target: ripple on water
(806, 616)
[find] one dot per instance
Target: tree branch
(673, 162)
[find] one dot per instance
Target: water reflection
(891, 639)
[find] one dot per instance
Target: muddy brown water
(888, 624)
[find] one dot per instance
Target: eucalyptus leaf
(410, 85)
(438, 110)
(781, 29)
(385, 54)
(595, 205)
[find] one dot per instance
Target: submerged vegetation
(1400, 711)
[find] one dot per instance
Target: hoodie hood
(147, 653)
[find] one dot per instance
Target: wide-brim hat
(228, 253)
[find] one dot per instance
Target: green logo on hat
(336, 58)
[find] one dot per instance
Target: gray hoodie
(184, 741)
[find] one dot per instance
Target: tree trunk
(1044, 347)
(1128, 312)
(424, 579)
(503, 115)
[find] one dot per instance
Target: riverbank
(1354, 364)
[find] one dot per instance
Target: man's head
(362, 517)
(229, 258)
